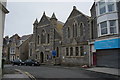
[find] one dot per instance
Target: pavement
(112, 71)
(11, 74)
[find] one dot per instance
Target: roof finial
(36, 21)
(53, 16)
(44, 13)
(74, 7)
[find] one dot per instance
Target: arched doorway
(41, 57)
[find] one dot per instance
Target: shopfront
(108, 53)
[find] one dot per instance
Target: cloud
(50, 0)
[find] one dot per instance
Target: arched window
(71, 51)
(38, 39)
(76, 51)
(68, 32)
(57, 52)
(48, 38)
(75, 29)
(67, 51)
(81, 29)
(81, 51)
(43, 37)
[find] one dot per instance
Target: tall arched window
(57, 52)
(68, 32)
(71, 51)
(48, 38)
(38, 39)
(67, 51)
(43, 37)
(81, 29)
(75, 29)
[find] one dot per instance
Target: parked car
(17, 62)
(31, 62)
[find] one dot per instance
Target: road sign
(54, 53)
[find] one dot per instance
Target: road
(61, 72)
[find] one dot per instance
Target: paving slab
(112, 71)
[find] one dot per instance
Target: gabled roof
(75, 13)
(24, 37)
(44, 20)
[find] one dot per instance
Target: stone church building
(76, 34)
(47, 35)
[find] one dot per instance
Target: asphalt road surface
(64, 73)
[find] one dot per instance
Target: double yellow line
(28, 74)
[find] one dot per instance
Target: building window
(36, 56)
(67, 51)
(47, 57)
(71, 51)
(43, 37)
(48, 39)
(102, 7)
(81, 29)
(30, 52)
(108, 27)
(57, 52)
(38, 39)
(77, 51)
(81, 51)
(74, 30)
(103, 27)
(113, 26)
(111, 6)
(68, 32)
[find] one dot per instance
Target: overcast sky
(23, 14)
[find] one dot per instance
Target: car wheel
(19, 64)
(33, 64)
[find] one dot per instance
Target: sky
(23, 14)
